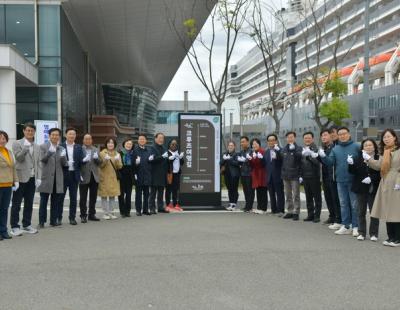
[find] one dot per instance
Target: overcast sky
(185, 78)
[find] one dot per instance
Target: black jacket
(143, 170)
(128, 171)
(159, 166)
(310, 167)
(245, 169)
(273, 166)
(361, 171)
(231, 166)
(78, 155)
(291, 162)
(328, 172)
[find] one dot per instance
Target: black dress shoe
(295, 217)
(6, 236)
(73, 222)
(123, 216)
(1, 238)
(138, 213)
(288, 216)
(128, 214)
(59, 222)
(83, 219)
(316, 220)
(53, 224)
(153, 212)
(146, 213)
(93, 218)
(308, 219)
(328, 221)
(41, 225)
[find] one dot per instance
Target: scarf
(387, 161)
(127, 157)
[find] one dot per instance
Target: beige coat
(8, 173)
(387, 201)
(109, 184)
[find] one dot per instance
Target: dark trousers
(124, 200)
(26, 191)
(262, 198)
(232, 184)
(277, 196)
(172, 190)
(142, 199)
(92, 187)
(72, 185)
(312, 188)
(393, 230)
(56, 206)
(332, 200)
(5, 198)
(248, 191)
(156, 191)
(365, 201)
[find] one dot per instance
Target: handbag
(117, 172)
(170, 177)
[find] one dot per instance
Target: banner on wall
(200, 140)
(42, 130)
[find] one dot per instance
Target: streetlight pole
(366, 72)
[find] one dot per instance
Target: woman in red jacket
(259, 176)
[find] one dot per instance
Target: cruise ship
(248, 82)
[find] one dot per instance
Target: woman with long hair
(365, 185)
(109, 186)
(386, 206)
(231, 170)
(127, 177)
(175, 162)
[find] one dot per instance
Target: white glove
(63, 153)
(107, 157)
(137, 161)
(181, 155)
(350, 160)
(367, 180)
(397, 187)
(248, 157)
(321, 153)
(95, 155)
(259, 155)
(27, 143)
(52, 148)
(291, 146)
(300, 180)
(172, 157)
(276, 148)
(365, 156)
(314, 154)
(15, 187)
(241, 159)
(86, 158)
(117, 157)
(135, 177)
(151, 157)
(306, 151)
(226, 157)
(38, 182)
(165, 155)
(254, 155)
(273, 155)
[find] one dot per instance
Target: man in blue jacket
(273, 164)
(348, 200)
(72, 173)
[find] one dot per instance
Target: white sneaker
(30, 230)
(361, 238)
(343, 231)
(387, 242)
(229, 208)
(394, 244)
(355, 232)
(335, 226)
(259, 211)
(106, 217)
(113, 217)
(16, 232)
(374, 238)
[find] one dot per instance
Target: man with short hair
(52, 161)
(333, 132)
(273, 164)
(245, 173)
(90, 180)
(27, 165)
(72, 172)
(310, 177)
(329, 184)
(291, 168)
(337, 158)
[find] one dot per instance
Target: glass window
(2, 25)
(20, 28)
(49, 30)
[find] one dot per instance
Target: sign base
(213, 200)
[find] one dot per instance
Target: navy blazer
(79, 154)
(274, 166)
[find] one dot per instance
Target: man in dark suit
(273, 164)
(72, 172)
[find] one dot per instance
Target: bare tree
(270, 39)
(319, 70)
(227, 18)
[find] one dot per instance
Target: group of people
(56, 167)
(355, 178)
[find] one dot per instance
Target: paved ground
(197, 261)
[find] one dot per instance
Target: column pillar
(8, 106)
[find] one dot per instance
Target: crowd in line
(354, 179)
